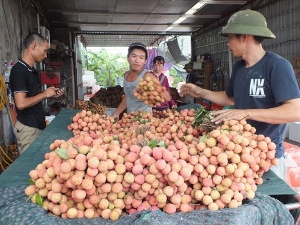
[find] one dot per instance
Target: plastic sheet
(263, 209)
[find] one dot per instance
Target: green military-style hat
(247, 22)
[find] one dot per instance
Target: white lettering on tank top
(256, 88)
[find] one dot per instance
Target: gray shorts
(25, 135)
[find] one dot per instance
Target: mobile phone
(61, 89)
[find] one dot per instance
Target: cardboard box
(197, 65)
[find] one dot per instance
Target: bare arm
(217, 97)
(288, 112)
(167, 96)
(121, 107)
(23, 102)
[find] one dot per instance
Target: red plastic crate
(215, 107)
(52, 79)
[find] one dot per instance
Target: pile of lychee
(107, 174)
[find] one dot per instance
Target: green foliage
(203, 119)
(106, 66)
(201, 114)
(177, 77)
(38, 199)
(152, 143)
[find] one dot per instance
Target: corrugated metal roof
(120, 22)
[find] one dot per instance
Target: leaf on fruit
(39, 200)
(203, 138)
(115, 138)
(200, 115)
(30, 181)
(203, 120)
(152, 143)
(28, 198)
(62, 152)
(74, 146)
(161, 143)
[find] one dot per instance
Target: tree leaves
(106, 66)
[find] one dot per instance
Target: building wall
(283, 20)
(17, 19)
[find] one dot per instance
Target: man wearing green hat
(262, 88)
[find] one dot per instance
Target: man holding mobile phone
(26, 90)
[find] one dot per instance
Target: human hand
(229, 114)
(54, 92)
(116, 116)
(166, 96)
(50, 91)
(59, 92)
(190, 89)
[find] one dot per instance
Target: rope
(3, 96)
(5, 160)
(8, 158)
(2, 167)
(4, 101)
